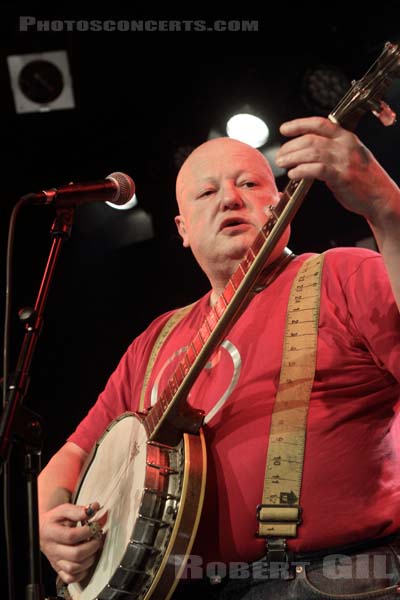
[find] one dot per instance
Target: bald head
(207, 155)
(224, 190)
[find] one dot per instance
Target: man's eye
(248, 184)
(206, 193)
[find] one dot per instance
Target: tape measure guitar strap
(174, 319)
(279, 514)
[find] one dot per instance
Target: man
(351, 483)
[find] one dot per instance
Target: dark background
(142, 100)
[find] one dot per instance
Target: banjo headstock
(365, 94)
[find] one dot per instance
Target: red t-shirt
(351, 479)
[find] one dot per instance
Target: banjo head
(139, 484)
(115, 478)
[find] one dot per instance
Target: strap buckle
(278, 520)
(276, 550)
(276, 512)
(277, 553)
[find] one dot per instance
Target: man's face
(223, 192)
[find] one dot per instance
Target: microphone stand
(20, 424)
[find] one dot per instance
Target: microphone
(117, 188)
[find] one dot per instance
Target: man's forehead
(209, 160)
(224, 150)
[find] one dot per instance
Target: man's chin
(237, 246)
(237, 253)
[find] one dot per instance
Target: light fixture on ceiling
(41, 82)
(248, 128)
(323, 87)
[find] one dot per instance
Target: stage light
(41, 82)
(248, 128)
(323, 87)
(127, 206)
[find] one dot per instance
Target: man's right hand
(71, 549)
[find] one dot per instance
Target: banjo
(148, 470)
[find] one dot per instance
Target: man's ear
(180, 224)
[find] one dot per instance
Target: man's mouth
(233, 223)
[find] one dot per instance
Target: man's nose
(231, 197)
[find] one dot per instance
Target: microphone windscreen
(126, 187)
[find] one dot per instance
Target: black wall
(140, 98)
